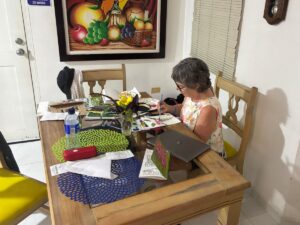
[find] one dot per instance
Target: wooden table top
(219, 187)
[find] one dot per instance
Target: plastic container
(72, 129)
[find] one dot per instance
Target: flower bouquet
(126, 105)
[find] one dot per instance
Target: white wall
(269, 59)
(144, 74)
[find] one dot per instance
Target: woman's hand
(173, 109)
(165, 108)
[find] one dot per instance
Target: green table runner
(104, 140)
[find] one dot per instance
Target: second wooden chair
(100, 76)
(237, 93)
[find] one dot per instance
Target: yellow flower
(129, 100)
(125, 99)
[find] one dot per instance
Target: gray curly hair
(193, 73)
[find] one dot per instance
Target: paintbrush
(159, 109)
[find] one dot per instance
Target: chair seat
(19, 195)
(229, 149)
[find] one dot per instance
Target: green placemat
(104, 140)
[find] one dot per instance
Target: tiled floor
(252, 213)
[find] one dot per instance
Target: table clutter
(219, 182)
(101, 169)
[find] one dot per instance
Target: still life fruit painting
(111, 24)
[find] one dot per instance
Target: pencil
(159, 111)
(118, 128)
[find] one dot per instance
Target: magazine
(167, 119)
(152, 102)
(150, 122)
(149, 169)
(161, 158)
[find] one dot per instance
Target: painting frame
(66, 54)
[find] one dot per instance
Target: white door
(17, 106)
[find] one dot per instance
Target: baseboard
(21, 142)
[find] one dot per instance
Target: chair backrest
(7, 159)
(237, 92)
(100, 76)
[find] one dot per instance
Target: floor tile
(263, 219)
(211, 219)
(251, 208)
(26, 153)
(246, 222)
(37, 218)
(30, 159)
(289, 223)
(34, 170)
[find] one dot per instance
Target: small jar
(95, 100)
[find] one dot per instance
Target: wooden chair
(100, 76)
(19, 195)
(237, 92)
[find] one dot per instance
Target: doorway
(18, 121)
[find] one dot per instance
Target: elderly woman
(200, 111)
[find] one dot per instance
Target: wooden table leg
(230, 215)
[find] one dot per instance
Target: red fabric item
(80, 153)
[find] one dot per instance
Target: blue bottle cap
(71, 110)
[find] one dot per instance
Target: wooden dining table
(218, 187)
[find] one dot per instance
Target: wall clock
(275, 11)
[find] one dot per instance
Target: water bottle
(71, 129)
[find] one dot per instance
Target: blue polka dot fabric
(93, 190)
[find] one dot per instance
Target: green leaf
(94, 7)
(120, 26)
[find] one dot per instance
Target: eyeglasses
(180, 88)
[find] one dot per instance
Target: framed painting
(110, 29)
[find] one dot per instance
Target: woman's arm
(206, 123)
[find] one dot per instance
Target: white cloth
(42, 108)
(119, 155)
(99, 166)
(53, 116)
(77, 88)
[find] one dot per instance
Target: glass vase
(126, 119)
(95, 100)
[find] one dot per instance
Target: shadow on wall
(266, 167)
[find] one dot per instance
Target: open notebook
(182, 146)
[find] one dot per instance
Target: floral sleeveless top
(189, 115)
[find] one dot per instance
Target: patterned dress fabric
(190, 113)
